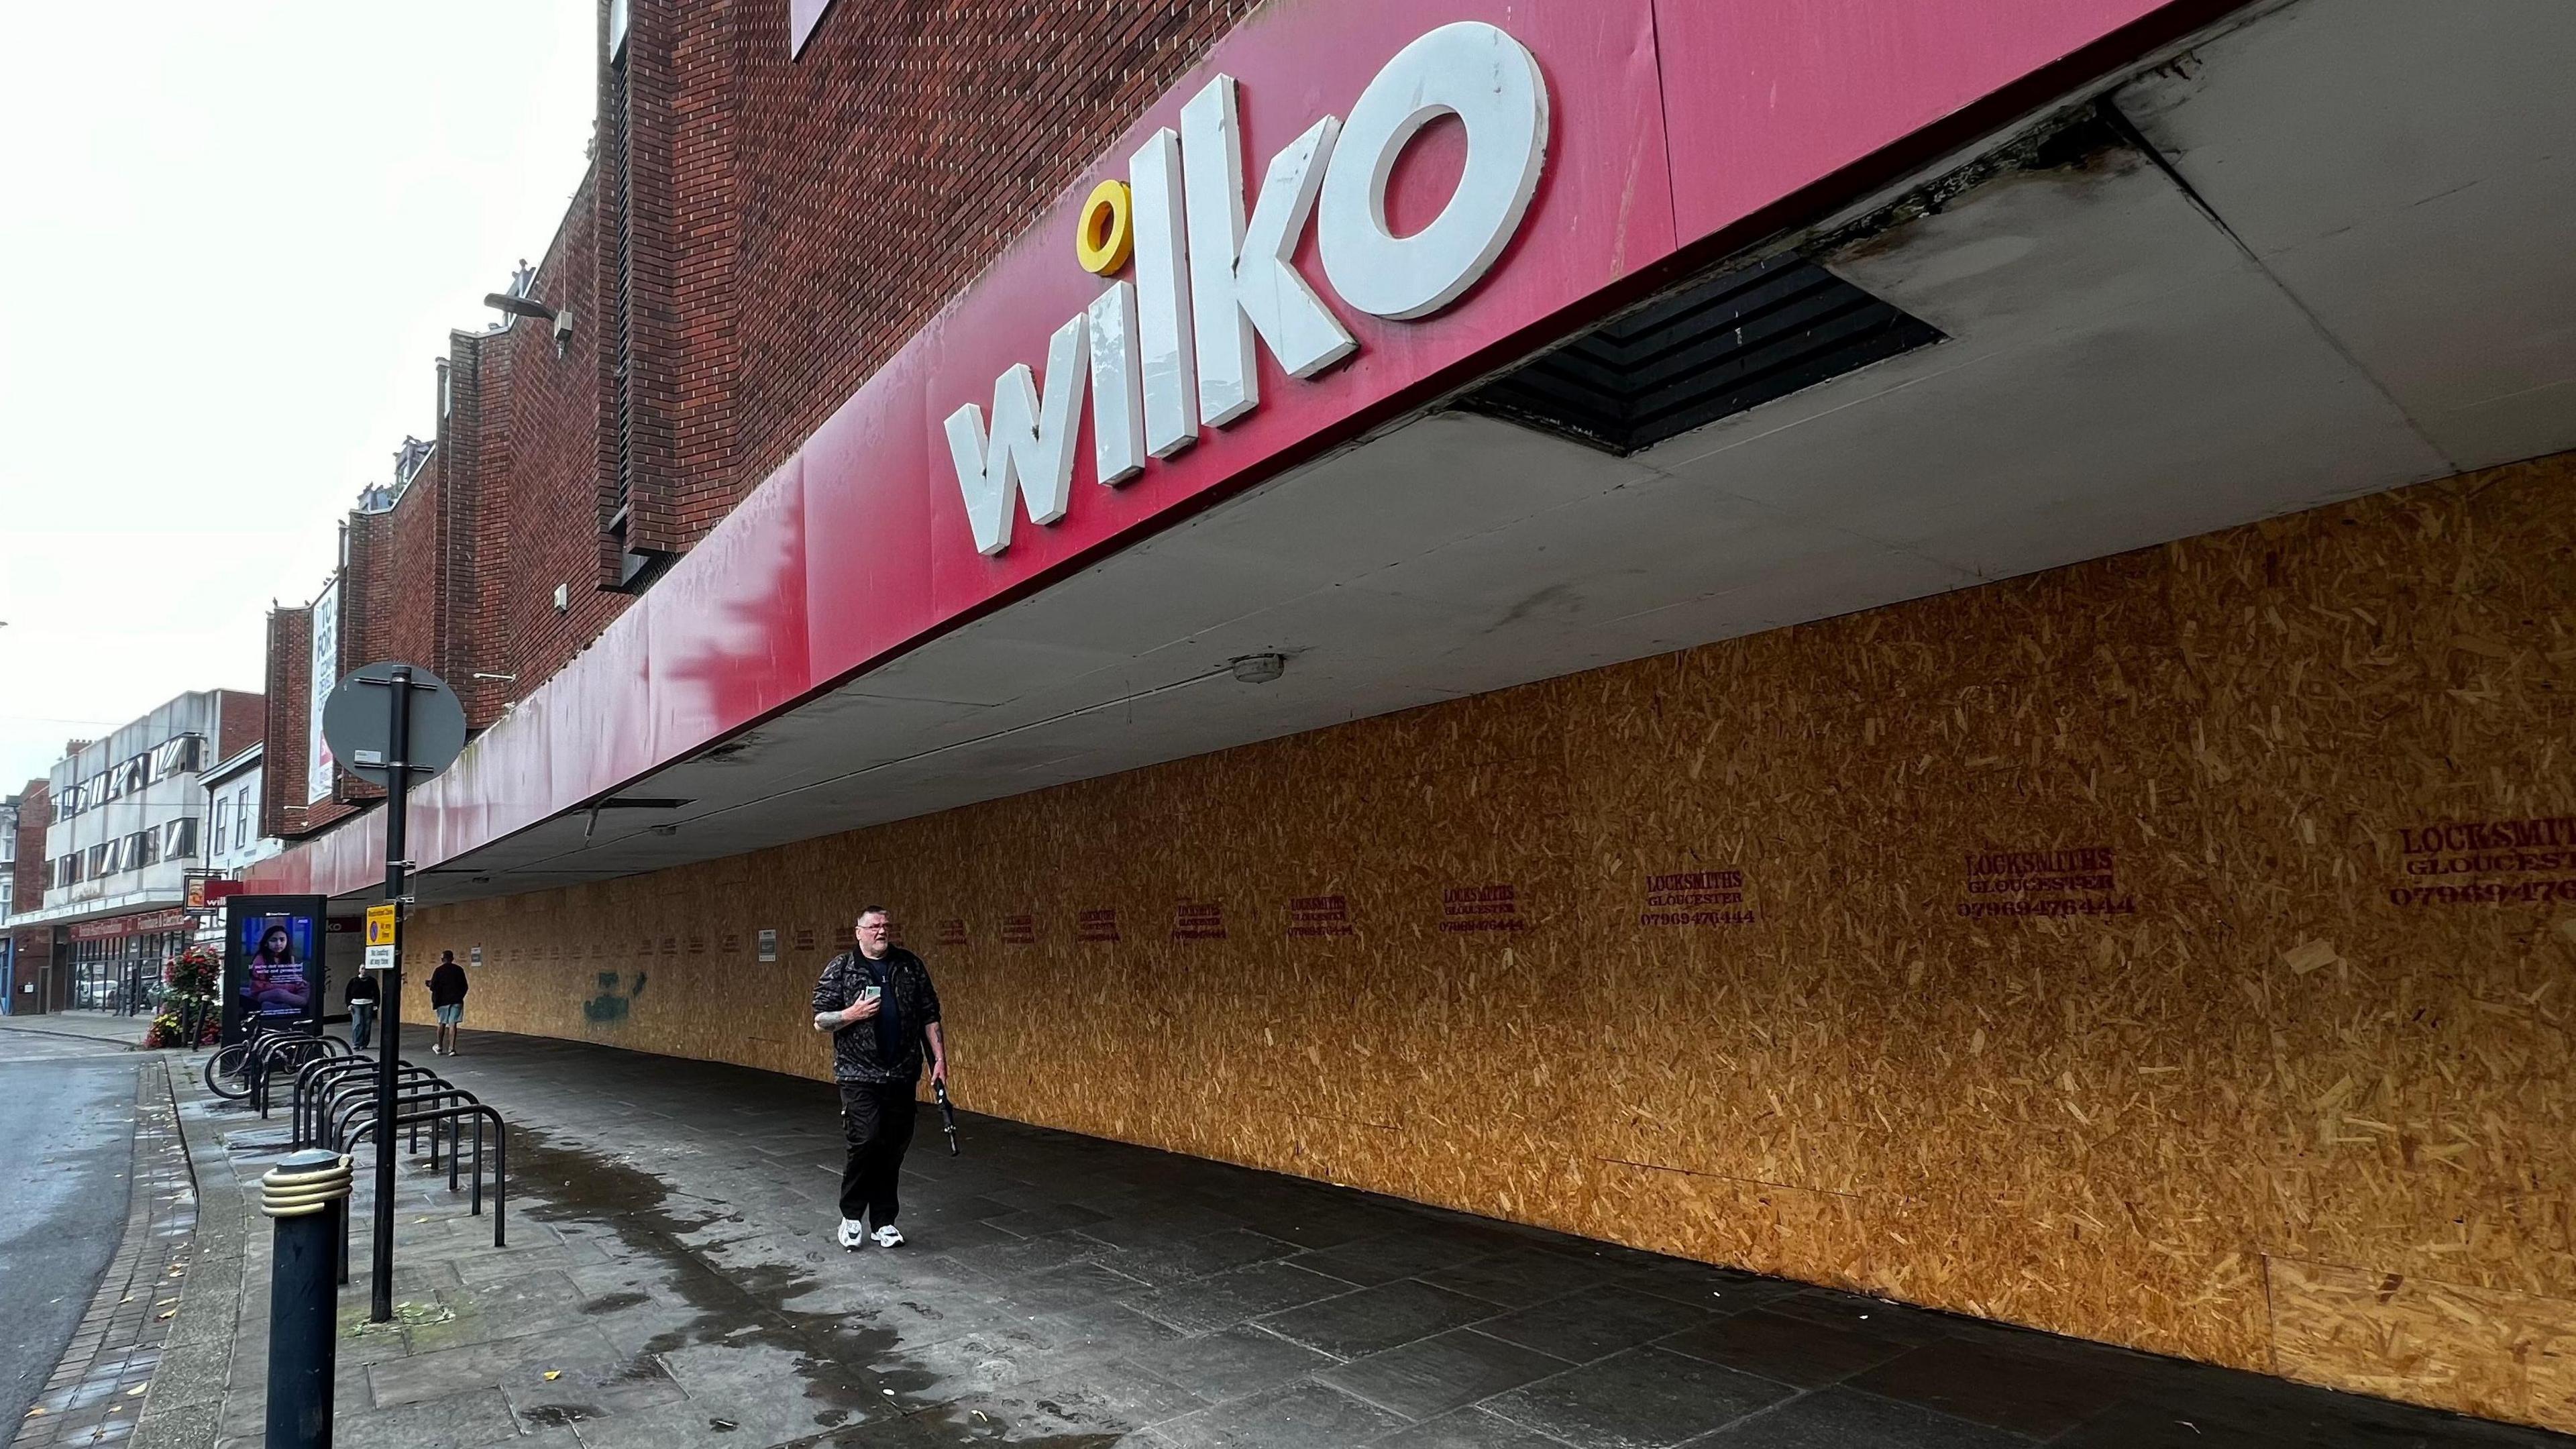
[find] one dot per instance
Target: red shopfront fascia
(145, 924)
(1680, 131)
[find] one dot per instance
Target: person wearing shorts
(447, 988)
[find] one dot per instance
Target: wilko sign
(205, 890)
(1172, 351)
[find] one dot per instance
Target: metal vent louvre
(1715, 348)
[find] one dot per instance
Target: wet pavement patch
(736, 1308)
(852, 1373)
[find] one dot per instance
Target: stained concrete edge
(185, 1402)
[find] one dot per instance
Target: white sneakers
(854, 1234)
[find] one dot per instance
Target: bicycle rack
(348, 1115)
(333, 1104)
(265, 1053)
(326, 1081)
(432, 1100)
(312, 1080)
(351, 1108)
(500, 1164)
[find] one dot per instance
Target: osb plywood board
(2489, 1352)
(2055, 951)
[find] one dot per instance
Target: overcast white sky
(233, 239)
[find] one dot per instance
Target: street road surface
(66, 1146)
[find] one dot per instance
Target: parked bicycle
(233, 1071)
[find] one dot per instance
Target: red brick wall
(35, 812)
(412, 625)
(474, 454)
(282, 767)
(796, 222)
(686, 65)
(241, 721)
(556, 452)
(421, 576)
(883, 170)
(367, 612)
(283, 810)
(35, 945)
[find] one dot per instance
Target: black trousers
(877, 1121)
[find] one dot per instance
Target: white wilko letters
(1174, 349)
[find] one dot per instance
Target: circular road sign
(357, 722)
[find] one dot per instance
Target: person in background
(447, 988)
(878, 1004)
(362, 995)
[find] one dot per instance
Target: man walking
(447, 988)
(362, 995)
(878, 1004)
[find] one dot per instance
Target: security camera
(563, 331)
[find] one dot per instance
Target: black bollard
(307, 1193)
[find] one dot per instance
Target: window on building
(8, 889)
(134, 774)
(223, 819)
(180, 756)
(242, 827)
(179, 839)
(103, 856)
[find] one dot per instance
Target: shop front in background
(115, 964)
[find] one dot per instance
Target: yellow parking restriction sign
(380, 937)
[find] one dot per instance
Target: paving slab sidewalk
(670, 1279)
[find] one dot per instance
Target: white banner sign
(325, 674)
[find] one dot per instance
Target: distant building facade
(128, 827)
(26, 951)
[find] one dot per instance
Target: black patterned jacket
(855, 1053)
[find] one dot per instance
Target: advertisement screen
(273, 963)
